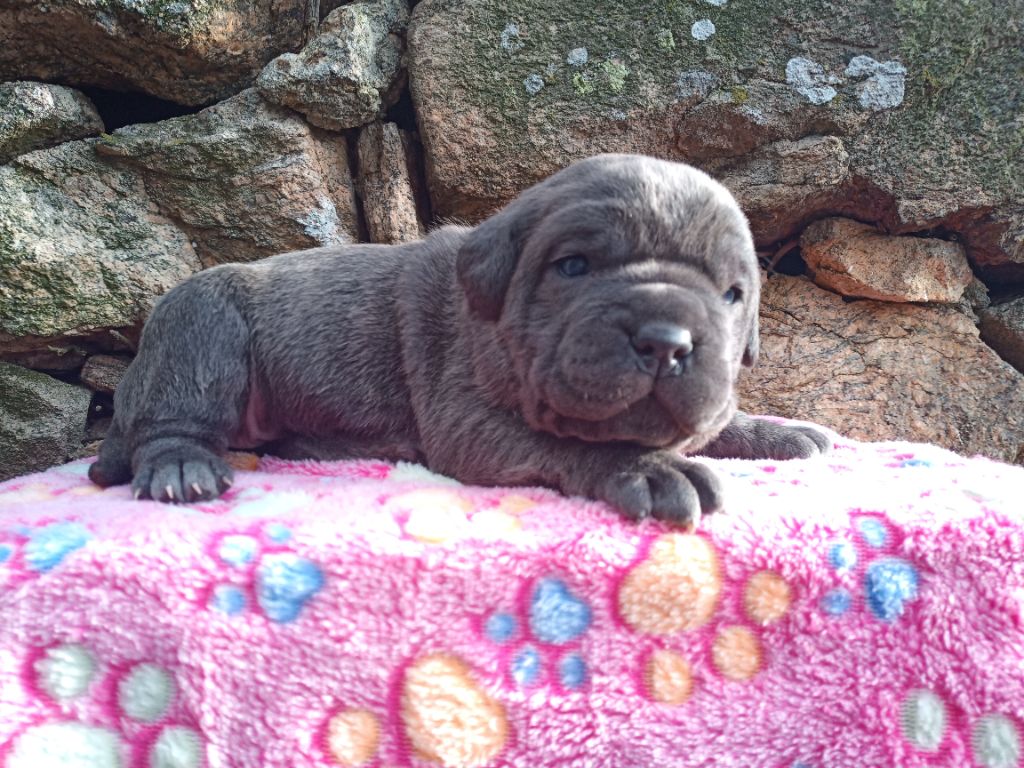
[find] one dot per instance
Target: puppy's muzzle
(662, 349)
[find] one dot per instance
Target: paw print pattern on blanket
(557, 619)
(448, 717)
(890, 583)
(926, 724)
(445, 715)
(139, 720)
(445, 516)
(281, 582)
(677, 587)
(35, 550)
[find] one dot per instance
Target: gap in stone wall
(791, 263)
(352, 146)
(121, 108)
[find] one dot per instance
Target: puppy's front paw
(800, 443)
(749, 438)
(184, 475)
(664, 486)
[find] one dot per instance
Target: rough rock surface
(350, 72)
(922, 96)
(876, 370)
(389, 203)
(102, 373)
(82, 247)
(188, 51)
(91, 232)
(794, 182)
(42, 420)
(1002, 328)
(244, 178)
(39, 115)
(857, 260)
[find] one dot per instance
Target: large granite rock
(188, 51)
(350, 72)
(39, 115)
(82, 247)
(244, 178)
(42, 421)
(876, 370)
(857, 260)
(919, 96)
(91, 232)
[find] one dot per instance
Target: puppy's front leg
(182, 397)
(747, 438)
(499, 449)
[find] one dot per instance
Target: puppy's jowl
(583, 338)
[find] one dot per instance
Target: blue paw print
(837, 602)
(48, 546)
(842, 555)
(526, 667)
(572, 671)
(229, 599)
(285, 583)
(238, 550)
(889, 585)
(557, 617)
(501, 627)
(278, 533)
(873, 531)
(889, 582)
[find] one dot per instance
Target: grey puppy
(582, 338)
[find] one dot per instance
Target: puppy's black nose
(662, 348)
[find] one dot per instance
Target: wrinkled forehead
(663, 211)
(686, 212)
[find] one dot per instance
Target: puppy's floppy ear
(487, 260)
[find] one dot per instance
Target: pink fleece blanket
(863, 609)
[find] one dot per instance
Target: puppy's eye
(572, 266)
(733, 295)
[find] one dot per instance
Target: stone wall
(876, 147)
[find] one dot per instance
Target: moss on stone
(964, 96)
(615, 73)
(961, 110)
(71, 260)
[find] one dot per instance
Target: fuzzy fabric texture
(861, 609)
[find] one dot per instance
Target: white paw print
(146, 694)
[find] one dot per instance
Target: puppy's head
(625, 291)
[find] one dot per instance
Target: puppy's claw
(228, 482)
(197, 490)
(137, 493)
(169, 490)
